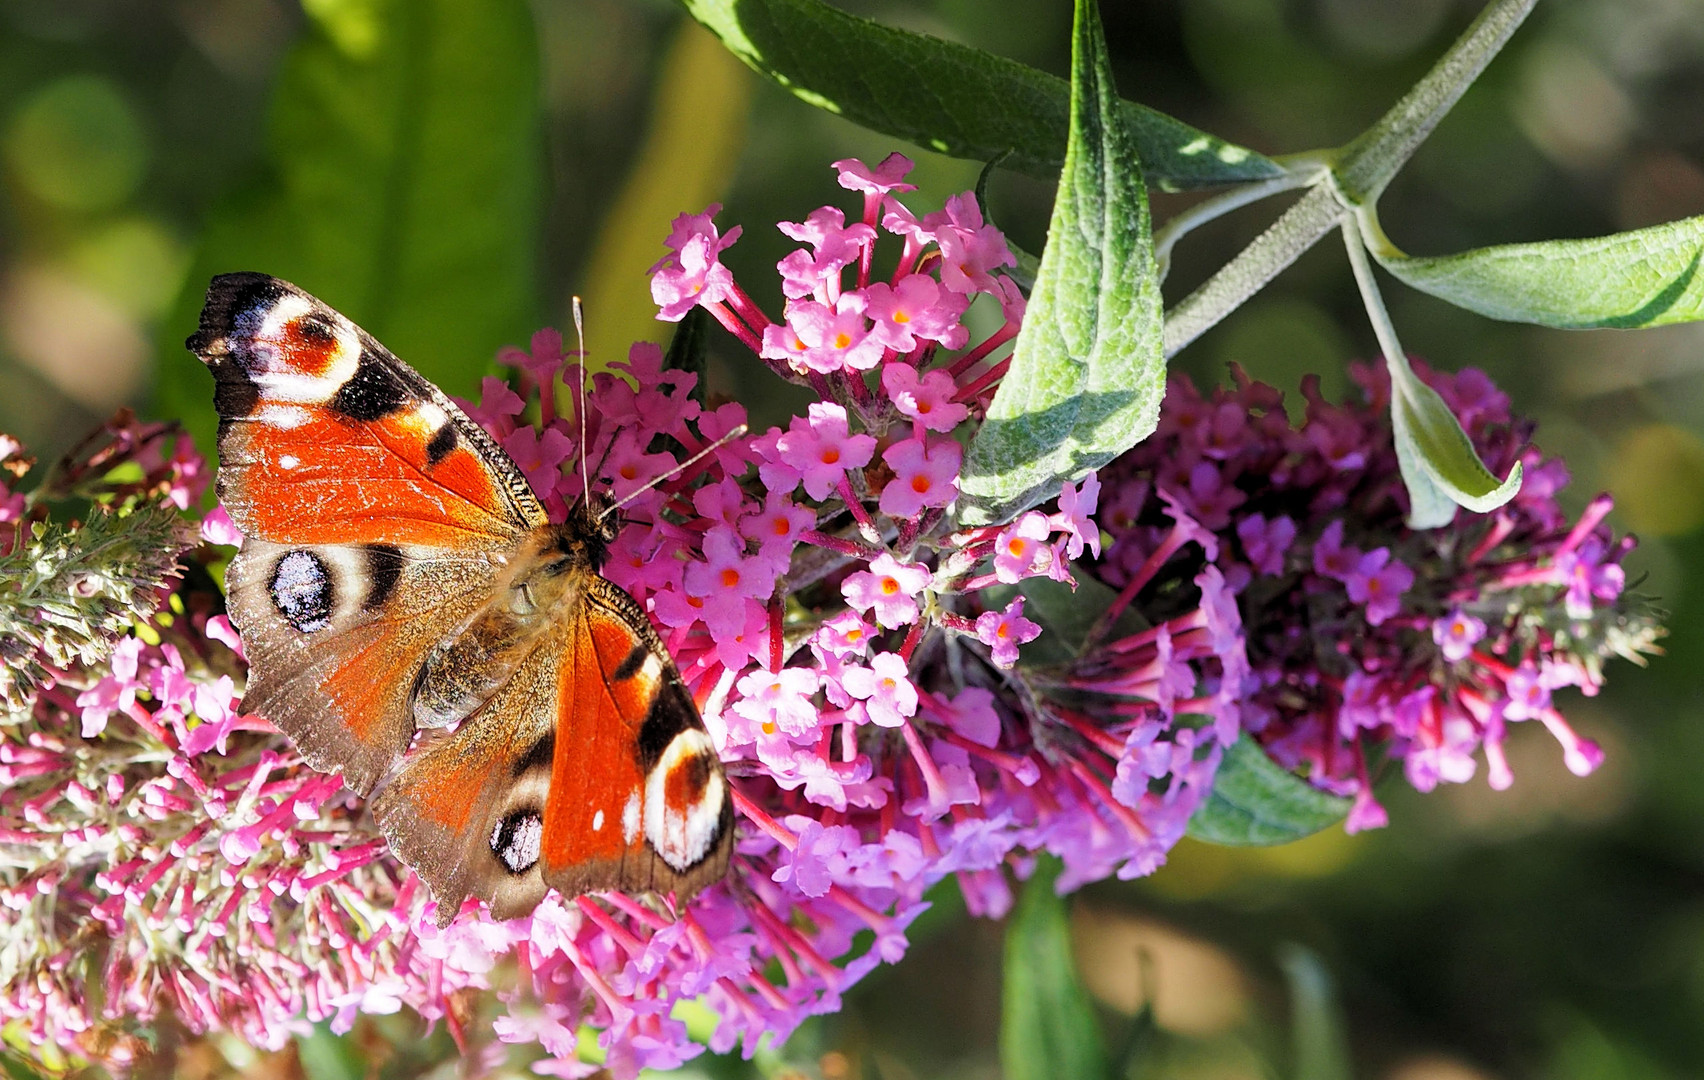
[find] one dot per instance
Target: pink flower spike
(916, 307)
(889, 587)
(1021, 548)
(821, 448)
(926, 399)
(1004, 631)
(923, 475)
(885, 688)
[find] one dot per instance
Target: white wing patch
(684, 793)
(630, 818)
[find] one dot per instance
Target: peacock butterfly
(414, 619)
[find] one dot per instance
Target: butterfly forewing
(398, 573)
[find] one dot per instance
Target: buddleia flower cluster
(1370, 645)
(876, 678)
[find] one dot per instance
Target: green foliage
(1648, 277)
(1068, 615)
(1320, 1047)
(1087, 374)
(403, 188)
(1439, 464)
(1366, 165)
(1048, 1028)
(951, 98)
(1256, 803)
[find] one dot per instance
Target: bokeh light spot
(1657, 474)
(77, 144)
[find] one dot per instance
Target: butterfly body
(414, 619)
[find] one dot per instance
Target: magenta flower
(692, 273)
(538, 456)
(890, 588)
(1437, 639)
(1456, 634)
(1378, 582)
(924, 474)
(819, 451)
(1020, 549)
(927, 399)
(1004, 631)
(884, 688)
(916, 307)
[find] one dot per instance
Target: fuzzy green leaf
(1439, 464)
(1648, 277)
(1048, 1028)
(403, 187)
(951, 98)
(1256, 802)
(1087, 374)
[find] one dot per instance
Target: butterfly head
(588, 532)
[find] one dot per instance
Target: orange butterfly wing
(377, 516)
(589, 770)
(389, 576)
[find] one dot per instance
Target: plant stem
(1368, 163)
(1299, 229)
(1300, 171)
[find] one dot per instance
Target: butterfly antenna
(580, 336)
(736, 432)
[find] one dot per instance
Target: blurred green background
(450, 172)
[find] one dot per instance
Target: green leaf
(1438, 461)
(402, 186)
(1087, 374)
(1321, 1050)
(951, 98)
(1256, 802)
(325, 1056)
(1648, 277)
(1066, 615)
(689, 349)
(1048, 1028)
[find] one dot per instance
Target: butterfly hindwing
(336, 637)
(656, 816)
(589, 770)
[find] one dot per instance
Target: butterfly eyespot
(516, 839)
(301, 590)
